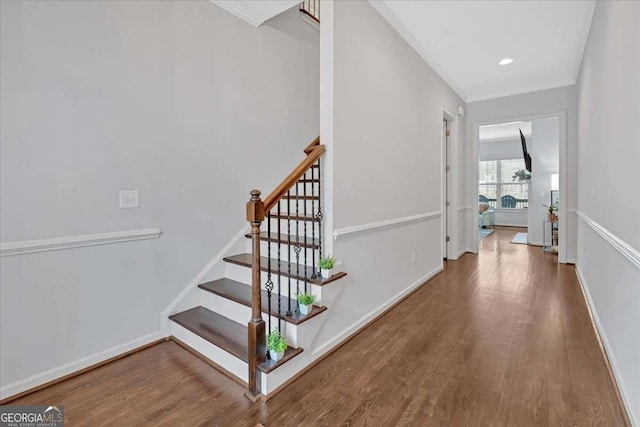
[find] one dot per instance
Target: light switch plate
(129, 199)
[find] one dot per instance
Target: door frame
(563, 171)
(449, 216)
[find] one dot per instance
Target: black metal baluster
(269, 284)
(289, 313)
(297, 248)
(279, 274)
(304, 212)
(319, 215)
(314, 274)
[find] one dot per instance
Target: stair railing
(311, 8)
(307, 172)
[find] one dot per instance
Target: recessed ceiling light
(505, 61)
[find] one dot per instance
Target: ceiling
(504, 131)
(464, 40)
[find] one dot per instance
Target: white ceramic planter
(276, 356)
(326, 273)
(305, 309)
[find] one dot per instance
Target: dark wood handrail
(313, 145)
(281, 190)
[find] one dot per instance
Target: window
(497, 187)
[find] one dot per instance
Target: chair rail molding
(623, 247)
(376, 226)
(67, 242)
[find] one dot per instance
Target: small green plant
(277, 342)
(327, 263)
(305, 299)
(552, 208)
(521, 175)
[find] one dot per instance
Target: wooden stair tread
(219, 330)
(226, 334)
(293, 217)
(246, 259)
(304, 243)
(300, 197)
(241, 293)
(269, 365)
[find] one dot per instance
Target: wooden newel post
(257, 338)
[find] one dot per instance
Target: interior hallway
(499, 338)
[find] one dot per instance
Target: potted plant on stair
(326, 266)
(277, 345)
(305, 301)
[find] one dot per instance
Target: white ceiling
(504, 131)
(464, 40)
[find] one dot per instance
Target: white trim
(368, 317)
(66, 242)
(69, 368)
(397, 25)
(623, 247)
(606, 347)
(464, 251)
(164, 317)
(381, 225)
(511, 225)
(233, 8)
(546, 86)
(451, 211)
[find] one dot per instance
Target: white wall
(385, 150)
(544, 151)
(500, 150)
(538, 103)
(180, 100)
(609, 197)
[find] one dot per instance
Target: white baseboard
(511, 225)
(464, 251)
(571, 261)
(368, 317)
(164, 317)
(69, 368)
(605, 343)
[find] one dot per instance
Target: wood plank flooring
(502, 338)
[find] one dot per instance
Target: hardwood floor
(501, 338)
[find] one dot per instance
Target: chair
(483, 199)
(508, 201)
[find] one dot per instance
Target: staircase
(258, 291)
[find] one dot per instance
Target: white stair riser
(243, 275)
(312, 227)
(242, 314)
(311, 205)
(226, 360)
(287, 253)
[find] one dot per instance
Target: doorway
(446, 148)
(513, 191)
